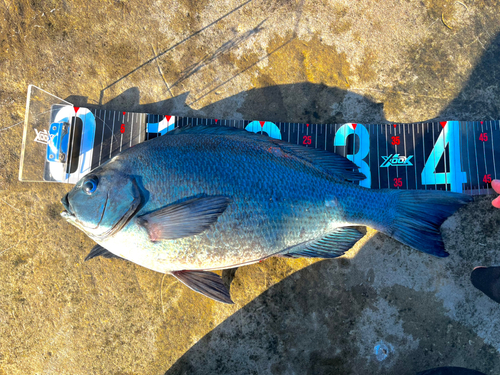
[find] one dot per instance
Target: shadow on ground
(317, 321)
(317, 103)
(300, 102)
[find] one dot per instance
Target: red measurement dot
(124, 113)
(216, 121)
(307, 125)
(122, 128)
(481, 123)
(394, 125)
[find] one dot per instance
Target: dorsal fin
(207, 129)
(333, 164)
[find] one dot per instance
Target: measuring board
(458, 156)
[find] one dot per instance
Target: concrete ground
(288, 60)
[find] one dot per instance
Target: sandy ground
(312, 61)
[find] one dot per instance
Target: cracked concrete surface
(298, 61)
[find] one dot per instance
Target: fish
(205, 198)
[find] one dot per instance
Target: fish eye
(90, 185)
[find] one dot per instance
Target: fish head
(102, 203)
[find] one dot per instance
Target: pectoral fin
(331, 246)
(98, 250)
(184, 219)
(207, 283)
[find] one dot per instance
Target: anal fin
(331, 246)
(207, 283)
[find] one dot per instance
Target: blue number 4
(450, 135)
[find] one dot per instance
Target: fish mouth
(135, 206)
(68, 215)
(67, 206)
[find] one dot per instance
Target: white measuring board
(458, 156)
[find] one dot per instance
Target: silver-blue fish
(208, 198)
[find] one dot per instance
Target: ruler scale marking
(354, 144)
(121, 136)
(468, 158)
(484, 154)
(109, 123)
(425, 156)
(493, 151)
(434, 142)
(462, 167)
(415, 157)
(387, 153)
(475, 153)
(316, 137)
(132, 130)
(369, 157)
(396, 152)
(444, 155)
(378, 161)
(406, 155)
(326, 133)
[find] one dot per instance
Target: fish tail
(417, 216)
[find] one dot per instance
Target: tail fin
(418, 216)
